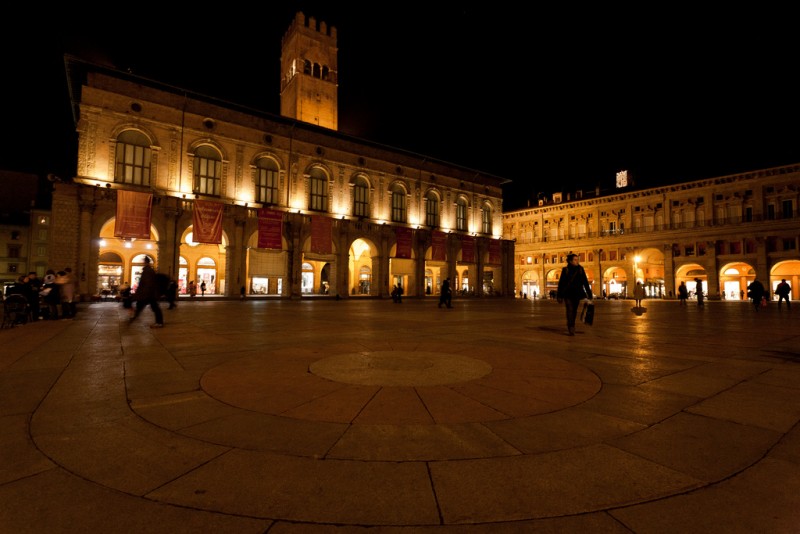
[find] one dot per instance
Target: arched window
(432, 209)
(306, 66)
(207, 171)
(398, 203)
(317, 70)
(360, 197)
(318, 190)
(325, 72)
(267, 181)
(133, 159)
(461, 214)
(486, 219)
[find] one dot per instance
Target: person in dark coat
(446, 295)
(573, 286)
(148, 293)
(784, 292)
(172, 294)
(756, 293)
(683, 293)
(698, 291)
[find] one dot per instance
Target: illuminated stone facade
(140, 135)
(725, 231)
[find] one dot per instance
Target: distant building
(24, 227)
(283, 205)
(726, 231)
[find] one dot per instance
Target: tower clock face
(622, 178)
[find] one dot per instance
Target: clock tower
(309, 72)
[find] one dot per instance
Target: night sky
(554, 99)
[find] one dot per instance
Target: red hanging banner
(270, 228)
(468, 249)
(133, 214)
(494, 251)
(321, 234)
(403, 242)
(438, 246)
(207, 222)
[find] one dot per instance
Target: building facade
(354, 218)
(725, 232)
(24, 228)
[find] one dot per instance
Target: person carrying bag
(573, 286)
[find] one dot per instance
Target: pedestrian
(51, 294)
(242, 291)
(698, 289)
(66, 283)
(683, 293)
(638, 294)
(573, 286)
(756, 293)
(192, 288)
(147, 293)
(445, 294)
(35, 285)
(203, 289)
(783, 290)
(172, 294)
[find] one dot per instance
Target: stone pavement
(322, 416)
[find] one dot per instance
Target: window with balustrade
(207, 171)
(133, 159)
(267, 181)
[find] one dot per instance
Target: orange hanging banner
(403, 242)
(321, 234)
(468, 249)
(270, 228)
(494, 251)
(438, 246)
(207, 222)
(133, 214)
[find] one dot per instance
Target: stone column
(669, 271)
(85, 260)
(712, 274)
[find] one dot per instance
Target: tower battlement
(306, 24)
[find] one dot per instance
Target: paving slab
(359, 415)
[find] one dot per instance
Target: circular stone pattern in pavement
(399, 368)
(471, 384)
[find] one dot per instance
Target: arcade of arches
(647, 267)
(368, 272)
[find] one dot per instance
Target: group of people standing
(52, 297)
(683, 293)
